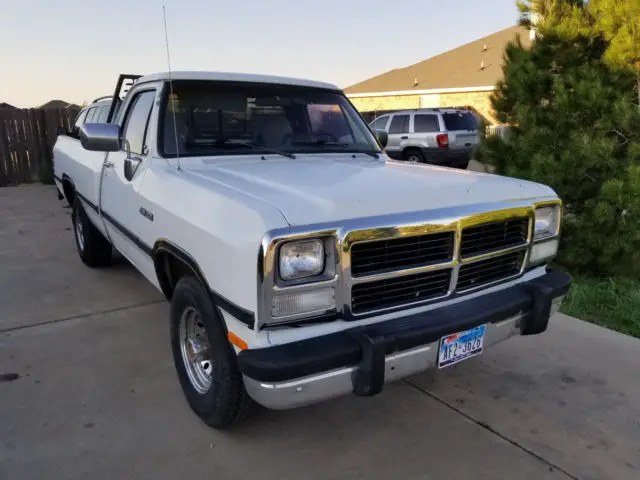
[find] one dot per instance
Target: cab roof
(235, 77)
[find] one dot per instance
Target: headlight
(547, 222)
(301, 259)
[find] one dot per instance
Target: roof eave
(432, 91)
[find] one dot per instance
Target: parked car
(441, 136)
(299, 262)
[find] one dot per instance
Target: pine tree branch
(621, 135)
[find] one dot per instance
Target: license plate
(462, 345)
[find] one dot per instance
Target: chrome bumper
(335, 383)
(362, 359)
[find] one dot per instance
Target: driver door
(121, 181)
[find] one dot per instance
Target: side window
(135, 126)
(92, 114)
(425, 123)
(399, 124)
(80, 119)
(380, 124)
(101, 117)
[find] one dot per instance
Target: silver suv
(442, 136)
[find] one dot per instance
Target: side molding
(163, 245)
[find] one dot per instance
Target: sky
(73, 50)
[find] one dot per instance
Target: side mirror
(100, 137)
(130, 166)
(383, 138)
(61, 131)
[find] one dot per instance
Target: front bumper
(362, 359)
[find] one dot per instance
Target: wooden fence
(26, 143)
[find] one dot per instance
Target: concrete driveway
(88, 390)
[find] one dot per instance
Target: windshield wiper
(344, 146)
(230, 142)
(264, 149)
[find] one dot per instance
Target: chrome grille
(402, 290)
(493, 269)
(381, 256)
(491, 237)
(433, 258)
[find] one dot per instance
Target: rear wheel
(93, 248)
(413, 155)
(205, 362)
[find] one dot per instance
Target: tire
(413, 155)
(224, 401)
(67, 192)
(93, 248)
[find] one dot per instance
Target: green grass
(612, 303)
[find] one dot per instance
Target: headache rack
(125, 82)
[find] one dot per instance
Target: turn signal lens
(296, 303)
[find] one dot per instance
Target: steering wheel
(331, 136)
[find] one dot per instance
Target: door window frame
(122, 121)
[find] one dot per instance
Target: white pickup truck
(300, 262)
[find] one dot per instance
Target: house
(7, 105)
(59, 104)
(463, 77)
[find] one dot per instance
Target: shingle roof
(457, 68)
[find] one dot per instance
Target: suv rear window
(460, 121)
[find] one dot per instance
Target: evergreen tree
(572, 101)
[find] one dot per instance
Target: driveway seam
(490, 429)
(76, 317)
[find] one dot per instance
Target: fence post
(4, 151)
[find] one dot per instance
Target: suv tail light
(443, 140)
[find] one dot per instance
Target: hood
(316, 189)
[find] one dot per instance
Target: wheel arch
(171, 262)
(412, 148)
(68, 188)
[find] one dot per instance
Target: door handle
(108, 164)
(404, 138)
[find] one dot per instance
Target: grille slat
(491, 270)
(395, 288)
(371, 304)
(382, 256)
(393, 255)
(495, 236)
(413, 288)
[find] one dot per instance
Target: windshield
(214, 118)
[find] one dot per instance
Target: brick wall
(478, 100)
(394, 102)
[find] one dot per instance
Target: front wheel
(205, 362)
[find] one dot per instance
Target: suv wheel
(413, 155)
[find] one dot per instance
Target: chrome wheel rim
(79, 233)
(196, 351)
(414, 158)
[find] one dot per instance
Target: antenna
(173, 112)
